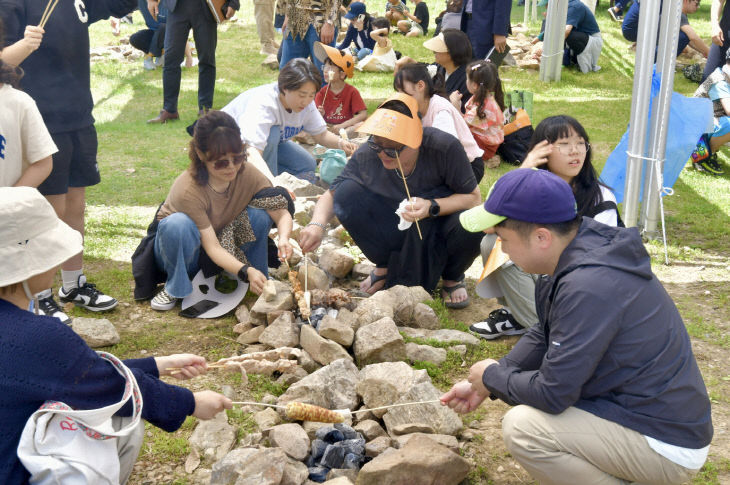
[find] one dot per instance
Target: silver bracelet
(318, 224)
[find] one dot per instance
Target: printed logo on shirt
(2, 147)
(290, 131)
(81, 11)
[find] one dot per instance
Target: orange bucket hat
(394, 125)
(340, 58)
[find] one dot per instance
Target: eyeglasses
(568, 148)
(223, 163)
(390, 152)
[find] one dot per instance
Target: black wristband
(243, 273)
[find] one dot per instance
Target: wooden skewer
(47, 12)
(330, 77)
(394, 406)
(408, 193)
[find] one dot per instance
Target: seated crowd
(603, 347)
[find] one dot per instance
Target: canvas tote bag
(63, 446)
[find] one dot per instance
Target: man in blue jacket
(487, 23)
(606, 385)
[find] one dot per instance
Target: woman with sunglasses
(441, 184)
(560, 144)
(221, 205)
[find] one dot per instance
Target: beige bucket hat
(33, 239)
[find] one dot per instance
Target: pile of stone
(115, 51)
(523, 49)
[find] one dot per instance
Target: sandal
(374, 278)
(451, 289)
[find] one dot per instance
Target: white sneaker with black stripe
(48, 306)
(500, 322)
(87, 296)
(163, 301)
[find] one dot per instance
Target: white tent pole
(553, 41)
(527, 12)
(645, 47)
(666, 61)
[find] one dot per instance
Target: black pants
(446, 250)
(149, 41)
(189, 14)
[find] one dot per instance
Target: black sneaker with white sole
(87, 296)
(500, 322)
(48, 306)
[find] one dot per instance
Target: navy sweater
(611, 342)
(57, 74)
(42, 359)
(361, 38)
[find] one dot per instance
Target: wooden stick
(394, 406)
(330, 77)
(408, 193)
(247, 403)
(47, 12)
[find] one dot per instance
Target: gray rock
(249, 466)
(410, 428)
(403, 304)
(267, 418)
(442, 419)
(341, 476)
(370, 429)
(425, 317)
(282, 300)
(96, 332)
(337, 262)
(448, 335)
(360, 271)
(321, 349)
(290, 377)
(315, 276)
(283, 332)
(242, 314)
(414, 332)
(377, 445)
(446, 440)
(421, 461)
(331, 387)
(425, 353)
(339, 331)
(241, 327)
(295, 473)
(379, 342)
(213, 438)
(384, 383)
(307, 362)
(251, 336)
(251, 440)
(346, 316)
(419, 294)
(301, 188)
(378, 306)
(292, 439)
(459, 349)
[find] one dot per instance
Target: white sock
(71, 278)
(44, 294)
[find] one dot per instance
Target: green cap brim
(478, 219)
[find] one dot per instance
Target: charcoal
(318, 447)
(333, 457)
(356, 446)
(329, 434)
(352, 461)
(310, 461)
(318, 473)
(350, 434)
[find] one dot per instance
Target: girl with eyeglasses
(221, 205)
(559, 144)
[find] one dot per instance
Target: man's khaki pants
(579, 447)
(263, 11)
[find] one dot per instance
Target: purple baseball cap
(525, 194)
(356, 8)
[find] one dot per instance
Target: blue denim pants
(177, 248)
(288, 156)
(292, 48)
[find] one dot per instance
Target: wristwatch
(435, 208)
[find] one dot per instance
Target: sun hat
(340, 58)
(356, 8)
(396, 126)
(436, 44)
(33, 239)
(524, 194)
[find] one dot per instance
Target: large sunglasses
(223, 163)
(390, 152)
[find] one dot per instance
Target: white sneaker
(160, 61)
(86, 295)
(48, 306)
(148, 63)
(163, 301)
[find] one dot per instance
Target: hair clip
(475, 67)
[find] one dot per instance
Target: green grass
(138, 163)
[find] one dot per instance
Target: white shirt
(260, 108)
(24, 138)
(609, 216)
